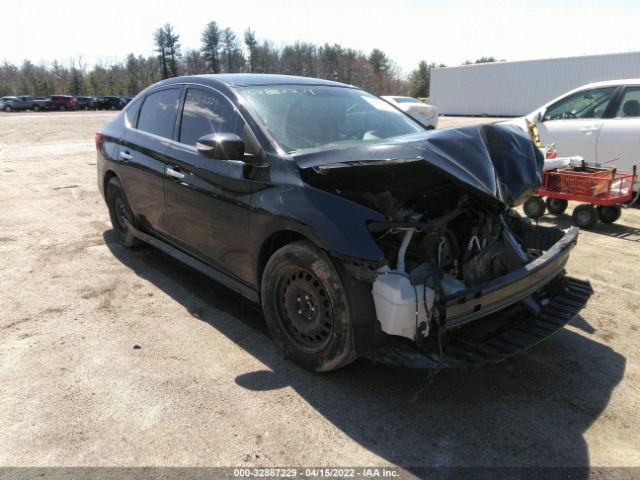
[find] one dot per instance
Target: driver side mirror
(221, 146)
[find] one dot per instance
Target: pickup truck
(25, 102)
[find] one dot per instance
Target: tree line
(221, 51)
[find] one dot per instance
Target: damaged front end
(465, 279)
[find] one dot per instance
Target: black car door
(208, 200)
(143, 157)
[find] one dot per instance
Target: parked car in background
(426, 114)
(599, 121)
(86, 103)
(63, 102)
(358, 232)
(110, 103)
(25, 102)
(126, 99)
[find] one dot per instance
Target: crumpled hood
(500, 161)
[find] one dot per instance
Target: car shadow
(529, 411)
(616, 230)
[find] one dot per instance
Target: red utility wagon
(602, 190)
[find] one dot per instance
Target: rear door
(573, 123)
(619, 139)
(208, 200)
(143, 157)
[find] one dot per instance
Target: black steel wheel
(556, 206)
(306, 307)
(585, 215)
(609, 214)
(120, 213)
(534, 207)
(305, 310)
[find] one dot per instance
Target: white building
(517, 88)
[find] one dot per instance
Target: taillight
(98, 140)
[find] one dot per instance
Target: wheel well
(107, 176)
(275, 242)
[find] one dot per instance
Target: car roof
(607, 83)
(254, 79)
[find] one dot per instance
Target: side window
(131, 111)
(630, 103)
(158, 112)
(207, 112)
(587, 104)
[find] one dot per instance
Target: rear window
(158, 112)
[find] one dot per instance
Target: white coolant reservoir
(397, 302)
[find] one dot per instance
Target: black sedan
(358, 232)
(110, 103)
(86, 103)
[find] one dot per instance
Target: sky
(440, 31)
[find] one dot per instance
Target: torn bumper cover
(496, 338)
(472, 303)
(498, 319)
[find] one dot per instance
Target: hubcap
(305, 310)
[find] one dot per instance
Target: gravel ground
(206, 386)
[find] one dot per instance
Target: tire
(609, 214)
(557, 206)
(113, 107)
(119, 210)
(585, 215)
(62, 108)
(7, 108)
(306, 308)
(534, 207)
(86, 107)
(36, 108)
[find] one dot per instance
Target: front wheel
(36, 108)
(609, 214)
(307, 309)
(120, 213)
(62, 108)
(7, 108)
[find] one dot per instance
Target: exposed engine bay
(451, 255)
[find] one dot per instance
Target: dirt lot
(207, 386)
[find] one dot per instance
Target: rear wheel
(36, 108)
(585, 215)
(306, 307)
(120, 213)
(609, 214)
(556, 206)
(62, 108)
(534, 207)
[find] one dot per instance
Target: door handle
(171, 172)
(126, 156)
(589, 129)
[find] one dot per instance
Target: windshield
(303, 118)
